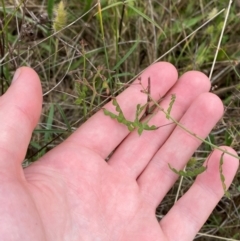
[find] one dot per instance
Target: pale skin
(72, 193)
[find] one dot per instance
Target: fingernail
(16, 75)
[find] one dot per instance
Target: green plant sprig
(201, 169)
(131, 125)
(140, 126)
(190, 132)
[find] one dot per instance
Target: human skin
(73, 194)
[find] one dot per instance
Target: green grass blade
(122, 60)
(49, 122)
(100, 18)
(88, 5)
(50, 6)
(117, 4)
(147, 18)
(50, 131)
(64, 118)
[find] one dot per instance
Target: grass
(99, 48)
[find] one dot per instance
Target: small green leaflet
(191, 173)
(131, 125)
(170, 106)
(200, 170)
(227, 194)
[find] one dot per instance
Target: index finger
(103, 134)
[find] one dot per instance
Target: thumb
(20, 109)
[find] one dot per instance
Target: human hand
(72, 193)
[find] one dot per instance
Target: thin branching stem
(190, 132)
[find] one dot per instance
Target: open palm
(72, 193)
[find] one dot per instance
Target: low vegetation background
(87, 51)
